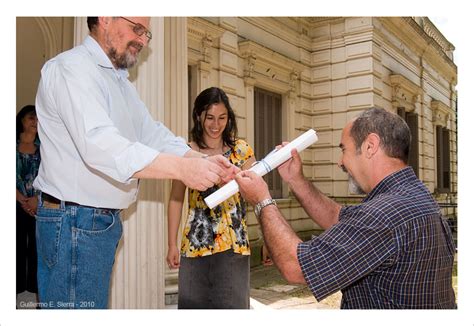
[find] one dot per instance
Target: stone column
(80, 30)
(176, 111)
(176, 75)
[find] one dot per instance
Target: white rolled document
(271, 161)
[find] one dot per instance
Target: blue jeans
(76, 251)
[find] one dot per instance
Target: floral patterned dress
(209, 231)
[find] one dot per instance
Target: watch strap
(261, 205)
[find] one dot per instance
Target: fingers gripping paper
(271, 161)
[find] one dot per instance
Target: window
(442, 159)
(268, 133)
(411, 119)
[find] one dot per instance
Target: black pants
(219, 281)
(26, 256)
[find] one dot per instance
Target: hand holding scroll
(252, 187)
(292, 170)
(265, 165)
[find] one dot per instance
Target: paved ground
(268, 290)
(26, 300)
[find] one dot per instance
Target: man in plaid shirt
(392, 251)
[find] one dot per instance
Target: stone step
(171, 296)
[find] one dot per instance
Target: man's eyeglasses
(139, 29)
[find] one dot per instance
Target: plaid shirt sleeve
(345, 253)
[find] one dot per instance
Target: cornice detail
(199, 28)
(441, 113)
(205, 33)
(407, 30)
(258, 54)
(405, 93)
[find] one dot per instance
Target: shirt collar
(390, 181)
(101, 58)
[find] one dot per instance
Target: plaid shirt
(392, 251)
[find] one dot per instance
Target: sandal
(267, 262)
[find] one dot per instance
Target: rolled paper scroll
(262, 167)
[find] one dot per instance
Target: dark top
(392, 251)
(27, 166)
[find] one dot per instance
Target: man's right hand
(292, 170)
(201, 174)
(193, 170)
(229, 169)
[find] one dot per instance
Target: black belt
(52, 202)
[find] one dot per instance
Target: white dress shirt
(95, 131)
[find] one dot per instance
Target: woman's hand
(30, 205)
(173, 257)
(20, 198)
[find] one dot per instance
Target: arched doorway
(37, 40)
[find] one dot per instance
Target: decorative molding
(293, 79)
(441, 113)
(409, 33)
(199, 28)
(206, 44)
(432, 31)
(204, 67)
(205, 33)
(268, 68)
(405, 93)
(250, 81)
(250, 65)
(282, 29)
(51, 44)
(271, 58)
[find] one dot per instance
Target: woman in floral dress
(214, 256)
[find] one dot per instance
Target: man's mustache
(343, 168)
(136, 45)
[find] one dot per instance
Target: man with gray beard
(98, 139)
(392, 251)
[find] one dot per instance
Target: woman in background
(214, 260)
(27, 164)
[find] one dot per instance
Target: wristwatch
(261, 205)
